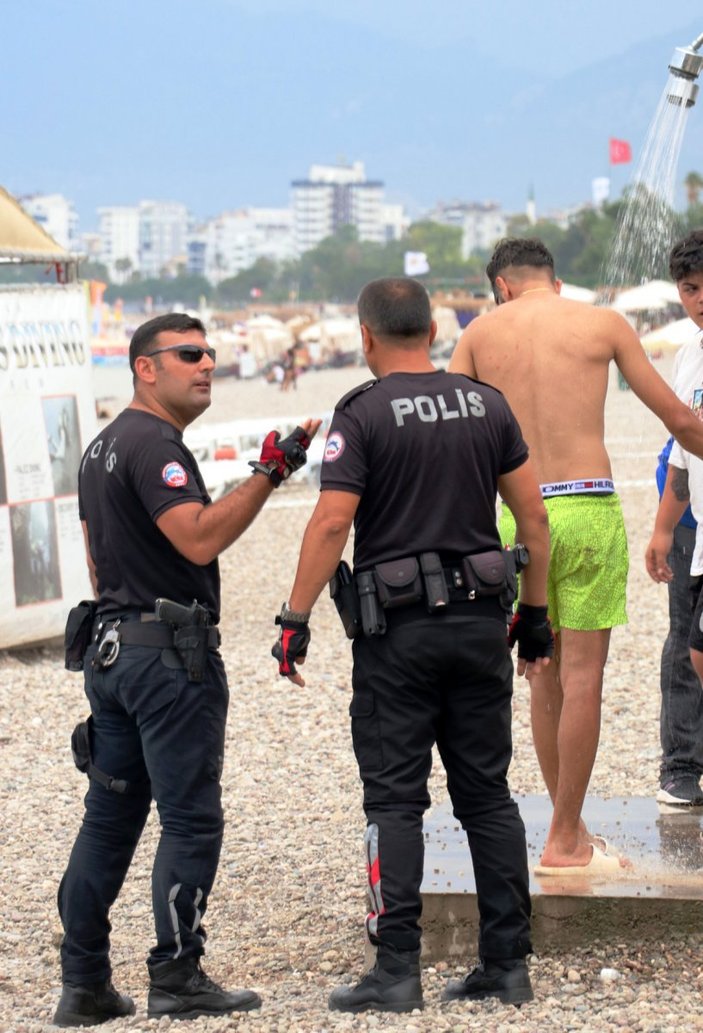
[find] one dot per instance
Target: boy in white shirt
(684, 484)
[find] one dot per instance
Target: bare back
(550, 358)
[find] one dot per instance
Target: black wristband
(532, 614)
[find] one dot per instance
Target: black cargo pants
(164, 735)
(444, 679)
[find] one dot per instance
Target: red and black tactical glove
(280, 457)
(293, 640)
(531, 629)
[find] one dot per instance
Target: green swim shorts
(588, 564)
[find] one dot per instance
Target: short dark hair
(145, 335)
(519, 251)
(395, 307)
(687, 256)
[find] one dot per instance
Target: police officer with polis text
(414, 460)
(154, 677)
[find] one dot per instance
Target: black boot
(91, 1004)
(507, 979)
(393, 984)
(181, 990)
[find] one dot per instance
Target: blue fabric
(681, 723)
(688, 519)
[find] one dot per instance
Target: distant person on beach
(154, 677)
(290, 372)
(550, 356)
(675, 556)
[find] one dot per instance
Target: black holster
(346, 599)
(373, 619)
(191, 644)
(192, 634)
(78, 633)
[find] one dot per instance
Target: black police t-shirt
(424, 451)
(130, 474)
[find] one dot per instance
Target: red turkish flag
(620, 152)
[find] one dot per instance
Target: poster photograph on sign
(63, 441)
(36, 552)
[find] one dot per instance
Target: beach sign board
(47, 418)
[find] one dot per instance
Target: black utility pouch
(484, 573)
(80, 745)
(78, 633)
(398, 582)
(345, 597)
(81, 748)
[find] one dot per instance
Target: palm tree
(123, 267)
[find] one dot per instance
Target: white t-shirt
(687, 382)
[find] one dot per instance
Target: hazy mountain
(223, 112)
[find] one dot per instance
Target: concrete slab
(663, 893)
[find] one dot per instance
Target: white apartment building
(163, 235)
(118, 229)
(233, 241)
(481, 224)
(56, 215)
(334, 196)
(395, 221)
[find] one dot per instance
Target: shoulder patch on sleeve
(174, 475)
(346, 399)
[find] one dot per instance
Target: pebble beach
(286, 914)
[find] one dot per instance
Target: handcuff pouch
(398, 582)
(484, 573)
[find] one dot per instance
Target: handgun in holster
(191, 633)
(373, 619)
(346, 599)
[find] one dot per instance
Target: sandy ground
(286, 914)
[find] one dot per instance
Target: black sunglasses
(191, 353)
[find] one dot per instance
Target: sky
(221, 103)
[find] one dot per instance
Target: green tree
(183, 290)
(123, 266)
(236, 290)
(441, 244)
(694, 184)
(90, 270)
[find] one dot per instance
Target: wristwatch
(298, 616)
(270, 469)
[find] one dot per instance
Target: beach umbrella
(574, 293)
(681, 331)
(648, 296)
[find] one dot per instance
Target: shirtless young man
(550, 357)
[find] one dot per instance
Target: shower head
(685, 67)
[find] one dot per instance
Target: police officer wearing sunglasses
(154, 677)
(414, 460)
